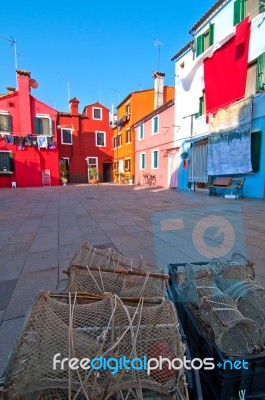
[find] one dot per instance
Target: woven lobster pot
(232, 275)
(252, 305)
(234, 334)
(89, 256)
(200, 289)
(124, 285)
(194, 272)
(106, 328)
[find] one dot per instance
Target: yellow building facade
(134, 107)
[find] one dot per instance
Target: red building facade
(85, 142)
(28, 138)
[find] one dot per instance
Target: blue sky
(96, 46)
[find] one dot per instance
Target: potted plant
(63, 174)
(116, 176)
(93, 175)
(121, 177)
(131, 179)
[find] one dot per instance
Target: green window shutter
(211, 34)
(37, 126)
(11, 162)
(255, 150)
(155, 159)
(261, 6)
(8, 123)
(261, 72)
(155, 124)
(200, 105)
(239, 11)
(199, 45)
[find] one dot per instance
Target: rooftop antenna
(158, 44)
(13, 43)
(99, 94)
(68, 88)
(119, 93)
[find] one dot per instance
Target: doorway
(107, 172)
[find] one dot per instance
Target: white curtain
(198, 164)
(173, 168)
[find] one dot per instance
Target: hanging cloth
(42, 142)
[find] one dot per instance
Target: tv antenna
(13, 43)
(158, 44)
(68, 88)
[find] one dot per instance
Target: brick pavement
(42, 228)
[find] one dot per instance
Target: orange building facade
(134, 107)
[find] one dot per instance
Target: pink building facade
(156, 159)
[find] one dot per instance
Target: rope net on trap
(129, 394)
(124, 285)
(106, 328)
(89, 256)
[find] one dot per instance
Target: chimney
(10, 89)
(74, 106)
(159, 89)
(23, 78)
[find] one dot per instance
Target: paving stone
(6, 291)
(41, 260)
(45, 241)
(29, 284)
(9, 334)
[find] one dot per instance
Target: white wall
(187, 101)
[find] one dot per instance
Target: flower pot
(64, 181)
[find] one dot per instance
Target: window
(127, 165)
(66, 136)
(205, 40)
(97, 113)
(142, 161)
(114, 142)
(201, 106)
(155, 125)
(261, 72)
(119, 140)
(6, 161)
(141, 132)
(116, 165)
(92, 162)
(43, 125)
(255, 76)
(251, 82)
(128, 136)
(5, 122)
(100, 139)
(255, 150)
(154, 159)
(128, 110)
(253, 8)
(242, 8)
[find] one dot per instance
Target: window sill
(6, 173)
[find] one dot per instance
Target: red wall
(84, 142)
(28, 163)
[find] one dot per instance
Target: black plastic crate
(219, 383)
(192, 376)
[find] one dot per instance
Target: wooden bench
(233, 184)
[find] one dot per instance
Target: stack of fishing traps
(108, 307)
(225, 297)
